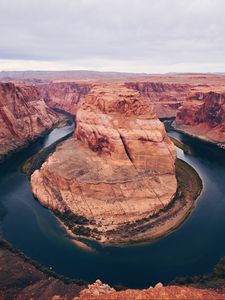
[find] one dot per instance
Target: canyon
(64, 95)
(166, 97)
(67, 95)
(119, 171)
(22, 279)
(24, 116)
(119, 168)
(202, 115)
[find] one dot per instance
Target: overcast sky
(113, 35)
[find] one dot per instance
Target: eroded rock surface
(166, 97)
(23, 116)
(119, 167)
(64, 95)
(100, 291)
(203, 115)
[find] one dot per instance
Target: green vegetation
(216, 279)
(77, 224)
(69, 219)
(189, 182)
(181, 145)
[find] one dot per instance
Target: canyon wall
(166, 97)
(22, 279)
(118, 169)
(202, 115)
(64, 95)
(23, 116)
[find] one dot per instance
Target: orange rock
(118, 169)
(166, 97)
(203, 115)
(23, 116)
(64, 95)
(94, 292)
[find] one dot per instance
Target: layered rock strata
(23, 116)
(64, 95)
(202, 115)
(166, 97)
(118, 169)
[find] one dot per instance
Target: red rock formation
(100, 291)
(64, 95)
(119, 169)
(203, 115)
(21, 279)
(166, 97)
(23, 116)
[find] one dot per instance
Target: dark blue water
(190, 250)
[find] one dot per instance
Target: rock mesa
(119, 168)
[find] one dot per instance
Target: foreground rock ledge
(21, 278)
(101, 291)
(118, 169)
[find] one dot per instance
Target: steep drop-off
(202, 115)
(23, 116)
(166, 97)
(21, 279)
(64, 95)
(118, 169)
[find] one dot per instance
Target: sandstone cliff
(203, 115)
(23, 116)
(118, 169)
(64, 95)
(166, 97)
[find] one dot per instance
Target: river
(193, 249)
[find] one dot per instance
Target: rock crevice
(118, 168)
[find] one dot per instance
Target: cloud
(121, 35)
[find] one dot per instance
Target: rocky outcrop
(118, 169)
(166, 97)
(64, 95)
(23, 116)
(202, 115)
(22, 279)
(100, 291)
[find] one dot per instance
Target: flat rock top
(117, 98)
